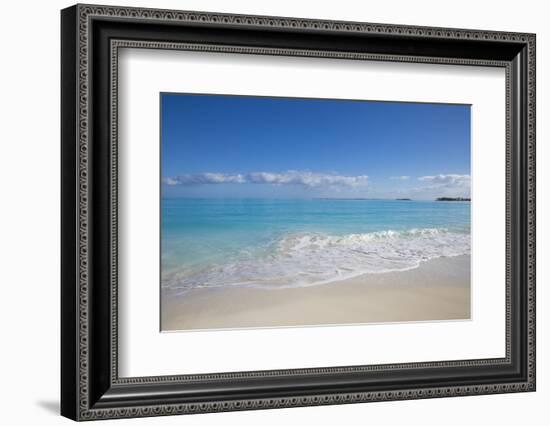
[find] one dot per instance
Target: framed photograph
(263, 212)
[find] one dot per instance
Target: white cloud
(204, 178)
(309, 179)
(452, 180)
(292, 177)
(451, 185)
(170, 181)
(400, 177)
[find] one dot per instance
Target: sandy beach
(438, 289)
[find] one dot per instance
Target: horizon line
(443, 198)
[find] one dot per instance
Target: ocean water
(276, 243)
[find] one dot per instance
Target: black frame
(91, 37)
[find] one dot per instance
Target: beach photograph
(294, 212)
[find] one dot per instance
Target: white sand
(437, 290)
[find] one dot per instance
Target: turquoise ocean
(281, 243)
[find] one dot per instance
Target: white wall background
(29, 213)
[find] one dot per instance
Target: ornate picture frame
(91, 37)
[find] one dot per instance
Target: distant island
(452, 199)
(403, 199)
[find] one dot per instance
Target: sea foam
(305, 259)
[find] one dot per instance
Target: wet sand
(438, 289)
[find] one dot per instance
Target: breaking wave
(305, 259)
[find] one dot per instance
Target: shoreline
(438, 289)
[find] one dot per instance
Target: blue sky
(239, 146)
